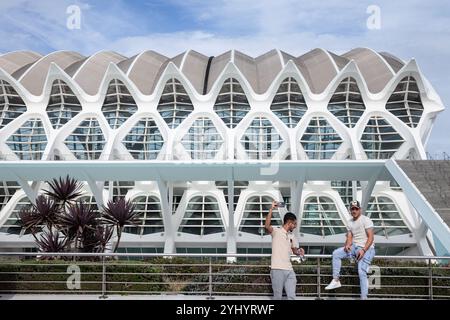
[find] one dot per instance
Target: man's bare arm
(268, 224)
(370, 237)
(348, 241)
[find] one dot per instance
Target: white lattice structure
(361, 105)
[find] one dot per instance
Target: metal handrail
(208, 277)
(200, 255)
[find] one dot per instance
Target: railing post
(210, 279)
(103, 296)
(318, 278)
(430, 280)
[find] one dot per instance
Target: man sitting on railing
(283, 245)
(359, 245)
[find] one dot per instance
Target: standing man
(359, 245)
(283, 245)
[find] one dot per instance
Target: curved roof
(90, 74)
(318, 66)
(318, 69)
(13, 61)
(146, 69)
(194, 68)
(375, 70)
(34, 77)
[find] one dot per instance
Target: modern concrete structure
(204, 144)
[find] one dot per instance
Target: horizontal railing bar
(203, 255)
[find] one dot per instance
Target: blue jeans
(363, 265)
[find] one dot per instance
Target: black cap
(355, 203)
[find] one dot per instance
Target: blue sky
(409, 29)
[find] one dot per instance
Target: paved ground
(129, 297)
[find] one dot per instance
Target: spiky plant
(97, 240)
(51, 242)
(120, 213)
(65, 190)
(78, 219)
(44, 212)
(29, 221)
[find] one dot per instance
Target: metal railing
(438, 156)
(214, 275)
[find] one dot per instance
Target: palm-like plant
(77, 221)
(120, 213)
(65, 190)
(29, 221)
(98, 239)
(51, 242)
(44, 212)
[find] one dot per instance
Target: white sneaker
(333, 285)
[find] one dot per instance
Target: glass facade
(149, 214)
(379, 139)
(87, 141)
(118, 105)
(238, 186)
(144, 141)
(345, 190)
(174, 105)
(63, 104)
(289, 104)
(255, 212)
(405, 102)
(29, 141)
(386, 217)
(119, 188)
(12, 224)
(202, 217)
(202, 141)
(320, 140)
(321, 217)
(231, 104)
(7, 190)
(261, 140)
(11, 104)
(347, 104)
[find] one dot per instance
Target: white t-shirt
(358, 230)
(282, 242)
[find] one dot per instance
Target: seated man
(359, 245)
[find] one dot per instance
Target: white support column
(30, 190)
(97, 190)
(169, 245)
(296, 199)
(354, 191)
(421, 237)
(367, 191)
(231, 234)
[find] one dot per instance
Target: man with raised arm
(283, 245)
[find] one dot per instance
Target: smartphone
(280, 204)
